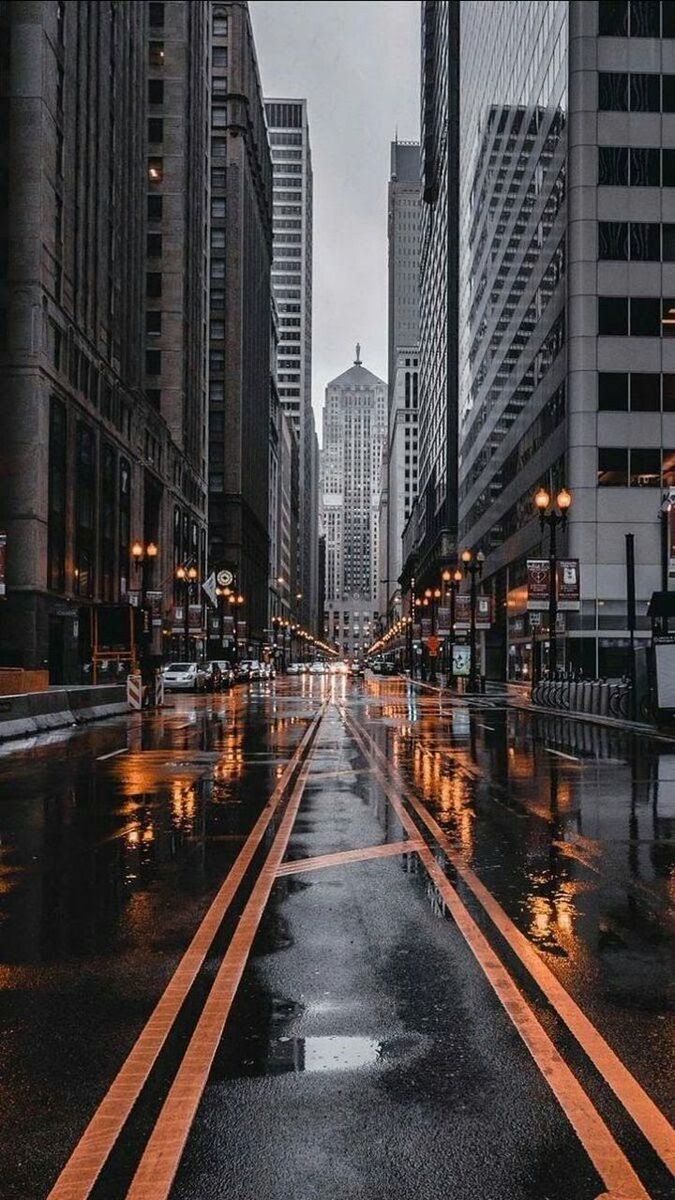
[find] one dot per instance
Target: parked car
(388, 668)
(254, 668)
(227, 676)
(185, 677)
(356, 670)
(317, 668)
(294, 669)
(242, 672)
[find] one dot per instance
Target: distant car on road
(317, 668)
(293, 669)
(184, 677)
(356, 670)
(227, 676)
(213, 675)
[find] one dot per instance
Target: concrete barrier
(31, 713)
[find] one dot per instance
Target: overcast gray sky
(358, 66)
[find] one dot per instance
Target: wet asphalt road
(365, 1054)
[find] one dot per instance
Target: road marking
(605, 1154)
(89, 1156)
(560, 754)
(102, 757)
(161, 1157)
(649, 1119)
(299, 866)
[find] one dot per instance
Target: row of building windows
(637, 241)
(636, 316)
(621, 391)
(636, 166)
(636, 18)
(619, 466)
(621, 91)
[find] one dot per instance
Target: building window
(153, 284)
(107, 521)
(612, 467)
(612, 91)
(219, 116)
(668, 168)
(217, 330)
(154, 245)
(613, 18)
(613, 165)
(85, 506)
(218, 148)
(153, 323)
(645, 317)
(154, 398)
(613, 391)
(612, 240)
(124, 524)
(218, 206)
(155, 169)
(645, 392)
(155, 91)
(645, 468)
(155, 207)
(56, 530)
(217, 239)
(219, 57)
(156, 54)
(155, 129)
(612, 316)
(153, 362)
(645, 168)
(156, 16)
(668, 393)
(645, 18)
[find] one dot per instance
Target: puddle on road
(322, 1054)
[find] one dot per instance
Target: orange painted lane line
(603, 1150)
(157, 1169)
(649, 1119)
(341, 857)
(90, 1154)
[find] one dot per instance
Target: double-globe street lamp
(451, 582)
(237, 602)
(143, 555)
(473, 568)
(552, 514)
(187, 578)
(432, 596)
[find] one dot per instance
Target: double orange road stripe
(609, 1160)
(92, 1151)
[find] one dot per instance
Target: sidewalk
(517, 696)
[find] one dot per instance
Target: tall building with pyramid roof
(354, 438)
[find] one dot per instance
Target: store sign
(461, 660)
(3, 564)
(538, 576)
(569, 584)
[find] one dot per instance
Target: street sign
(433, 645)
(538, 586)
(225, 578)
(209, 589)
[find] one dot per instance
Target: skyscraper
(239, 337)
(567, 375)
(292, 285)
(98, 448)
(434, 518)
(404, 199)
(354, 437)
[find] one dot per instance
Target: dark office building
(241, 257)
(93, 456)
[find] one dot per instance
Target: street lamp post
(552, 515)
(143, 557)
(237, 601)
(452, 582)
(473, 567)
(187, 578)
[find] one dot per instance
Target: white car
(317, 668)
(293, 669)
(254, 668)
(184, 677)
